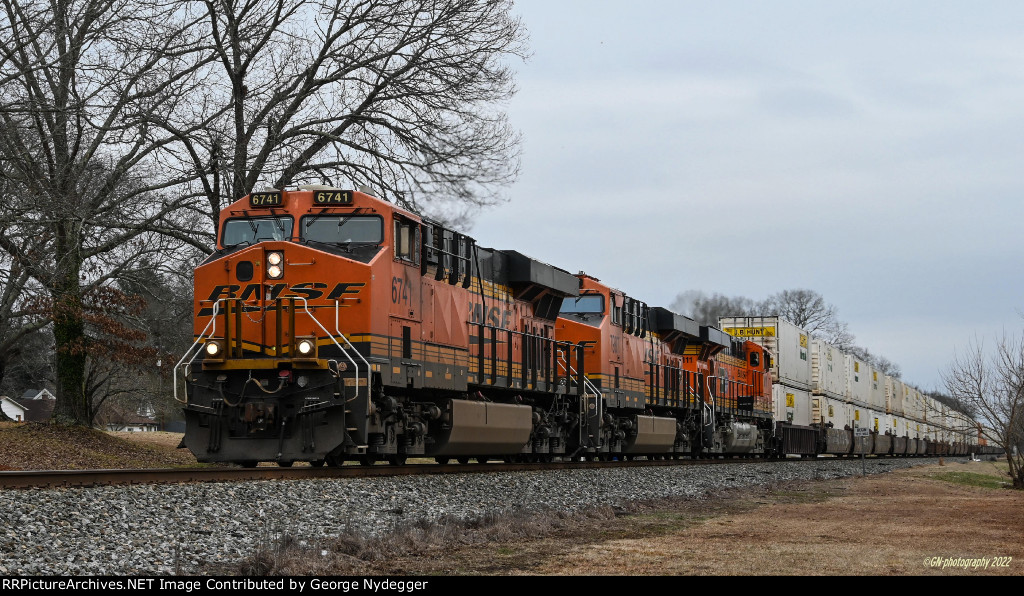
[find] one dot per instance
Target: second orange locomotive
(331, 325)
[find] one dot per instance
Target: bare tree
(402, 96)
(993, 385)
(706, 310)
(29, 365)
(85, 182)
(804, 308)
(20, 313)
(808, 309)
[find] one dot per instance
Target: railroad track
(87, 478)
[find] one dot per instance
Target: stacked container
(877, 394)
(858, 381)
(828, 370)
(790, 347)
(894, 393)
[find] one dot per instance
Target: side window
(616, 310)
(755, 359)
(407, 241)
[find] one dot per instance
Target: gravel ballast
(166, 529)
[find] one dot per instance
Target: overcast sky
(870, 151)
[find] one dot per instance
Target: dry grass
(903, 523)
(409, 539)
(36, 446)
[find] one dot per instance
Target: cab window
(591, 304)
(252, 230)
(407, 241)
(343, 229)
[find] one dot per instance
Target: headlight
(213, 349)
(275, 265)
(305, 348)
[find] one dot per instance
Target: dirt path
(910, 522)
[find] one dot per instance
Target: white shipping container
(790, 346)
(929, 409)
(925, 405)
(861, 417)
(792, 405)
(883, 423)
(876, 398)
(894, 394)
(900, 426)
(828, 370)
(832, 411)
(912, 407)
(858, 382)
(875, 421)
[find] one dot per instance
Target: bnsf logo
(310, 290)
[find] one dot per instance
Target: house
(134, 424)
(141, 419)
(35, 405)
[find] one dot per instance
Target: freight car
(333, 326)
(829, 402)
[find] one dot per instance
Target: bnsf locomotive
(331, 326)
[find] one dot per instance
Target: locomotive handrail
(587, 386)
(305, 307)
(208, 332)
(202, 335)
(337, 329)
(709, 410)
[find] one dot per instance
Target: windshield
(342, 229)
(584, 304)
(238, 231)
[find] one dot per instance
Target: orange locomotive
(694, 389)
(331, 325)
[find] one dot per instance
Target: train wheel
(248, 464)
(285, 464)
(482, 459)
(367, 460)
(317, 463)
(397, 460)
(462, 460)
(441, 460)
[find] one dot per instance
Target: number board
(332, 197)
(266, 199)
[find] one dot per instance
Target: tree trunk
(69, 331)
(69, 336)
